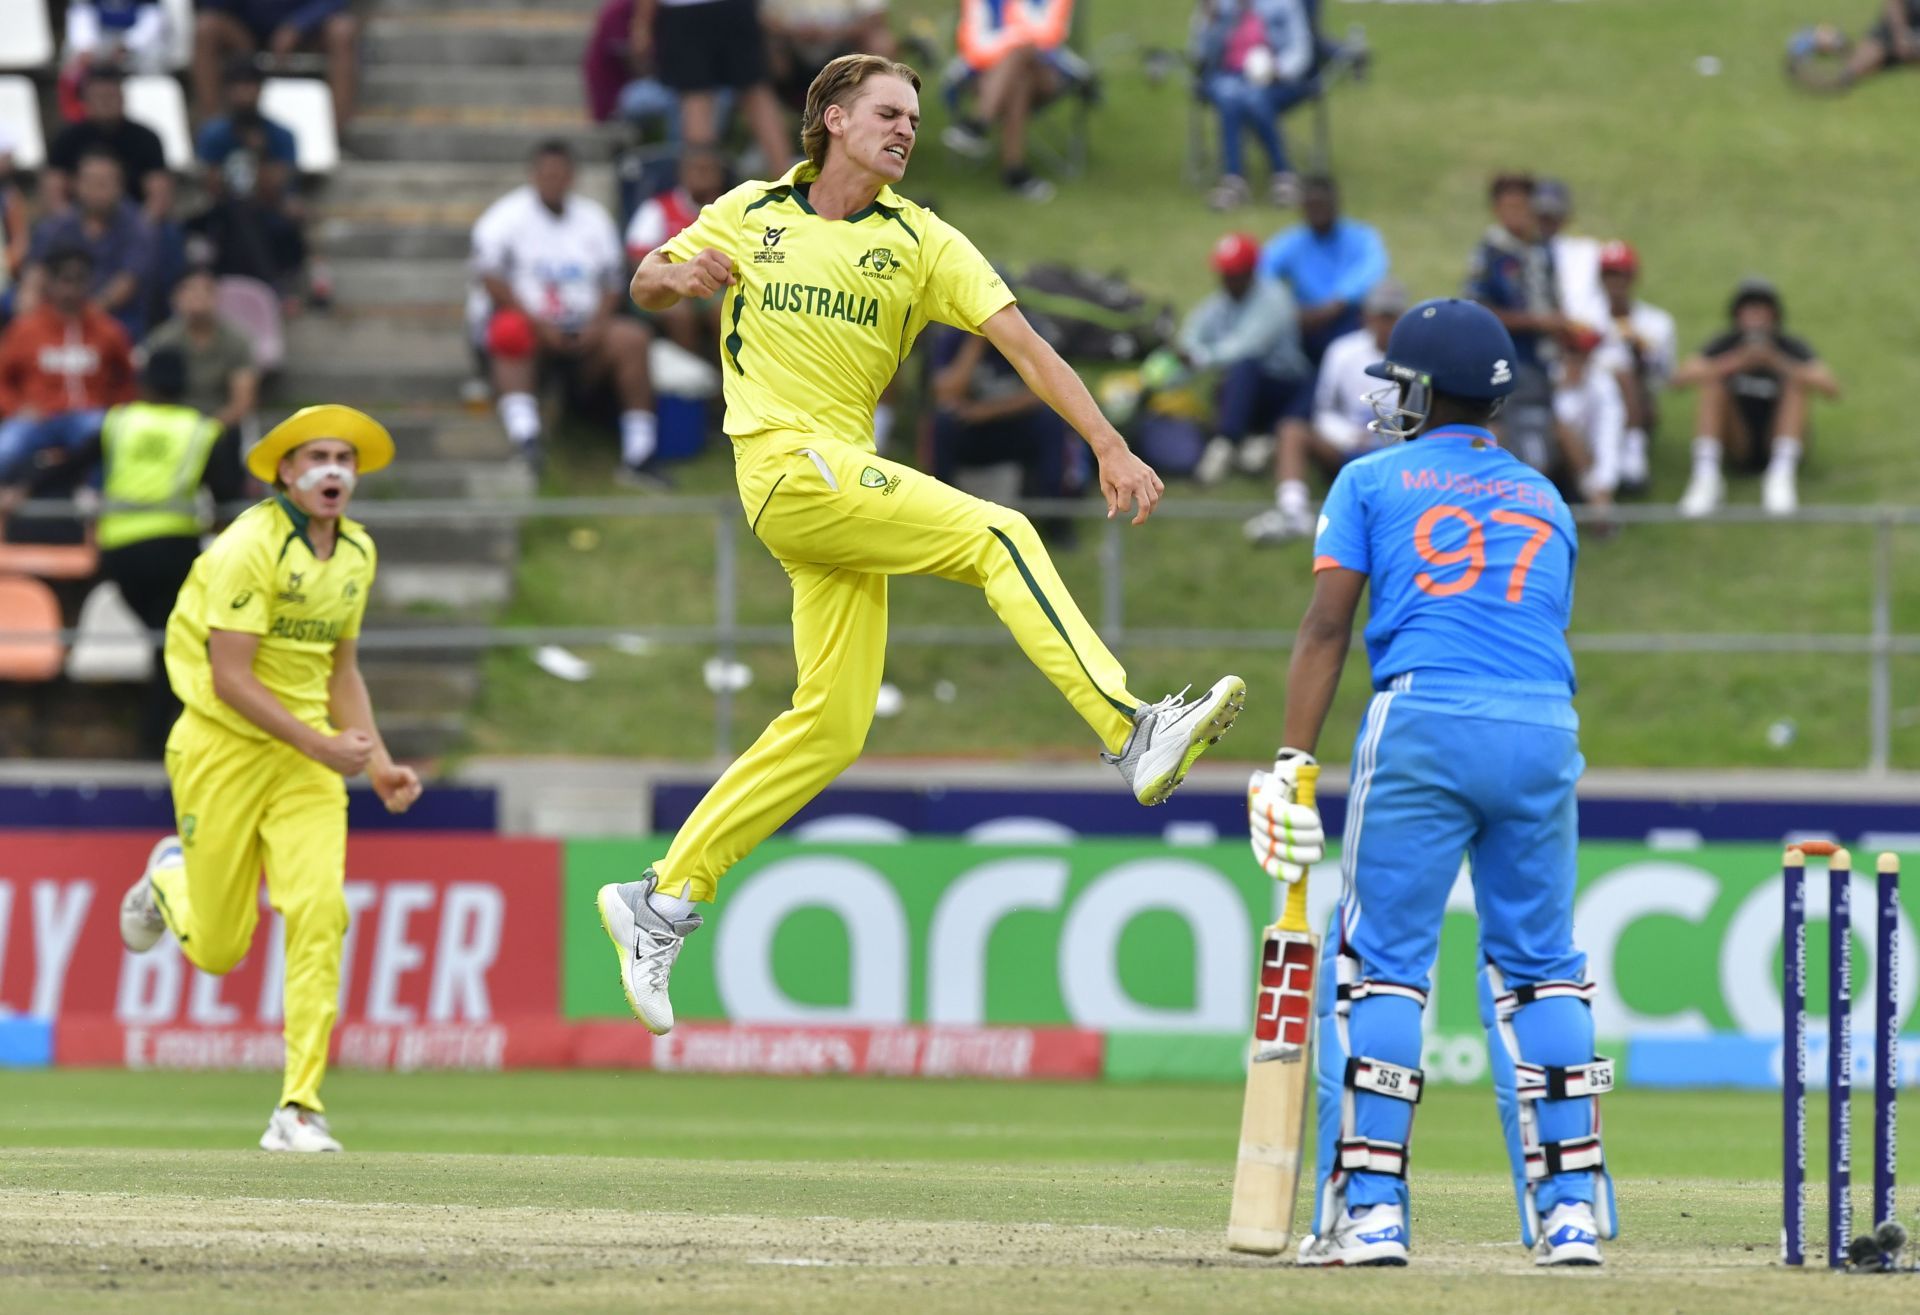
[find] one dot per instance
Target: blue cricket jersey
(1469, 554)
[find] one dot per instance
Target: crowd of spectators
(121, 377)
(1281, 348)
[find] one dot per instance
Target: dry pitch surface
(981, 1220)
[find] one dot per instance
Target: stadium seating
(50, 561)
(20, 121)
(29, 609)
(304, 106)
(26, 35)
(110, 644)
(179, 32)
(156, 100)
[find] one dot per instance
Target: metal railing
(1878, 643)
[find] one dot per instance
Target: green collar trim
(299, 519)
(797, 180)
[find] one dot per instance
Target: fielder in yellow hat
(262, 648)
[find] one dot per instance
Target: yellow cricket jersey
(260, 577)
(827, 309)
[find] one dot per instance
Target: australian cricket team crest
(879, 263)
(871, 478)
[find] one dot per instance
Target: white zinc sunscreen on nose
(312, 478)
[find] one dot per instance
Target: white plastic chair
(26, 35)
(254, 310)
(111, 646)
(20, 121)
(179, 32)
(155, 100)
(304, 107)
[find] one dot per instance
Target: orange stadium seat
(30, 621)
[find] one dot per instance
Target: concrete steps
(402, 86)
(481, 138)
(368, 283)
(584, 10)
(442, 184)
(478, 41)
(457, 93)
(374, 361)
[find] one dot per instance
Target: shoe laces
(658, 960)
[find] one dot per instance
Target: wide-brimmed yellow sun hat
(371, 443)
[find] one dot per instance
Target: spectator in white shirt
(1341, 425)
(549, 276)
(1591, 414)
(1576, 260)
(1641, 347)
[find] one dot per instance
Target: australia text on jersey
(829, 303)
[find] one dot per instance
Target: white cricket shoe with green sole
(647, 944)
(1169, 736)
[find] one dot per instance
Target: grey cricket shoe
(1169, 736)
(141, 925)
(647, 945)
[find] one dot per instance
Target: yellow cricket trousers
(241, 804)
(841, 520)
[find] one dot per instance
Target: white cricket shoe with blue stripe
(141, 925)
(1366, 1235)
(1570, 1236)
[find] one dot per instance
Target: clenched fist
(706, 274)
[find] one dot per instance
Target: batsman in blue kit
(1470, 747)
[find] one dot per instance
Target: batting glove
(1287, 836)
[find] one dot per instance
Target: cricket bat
(1273, 1122)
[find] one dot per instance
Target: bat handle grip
(1293, 914)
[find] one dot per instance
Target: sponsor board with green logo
(1154, 945)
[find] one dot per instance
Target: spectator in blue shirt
(1328, 262)
(118, 240)
(222, 138)
(224, 29)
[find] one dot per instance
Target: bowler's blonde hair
(837, 84)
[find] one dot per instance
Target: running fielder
(1470, 747)
(828, 275)
(262, 649)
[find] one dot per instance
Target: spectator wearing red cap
(1249, 331)
(1591, 415)
(1640, 346)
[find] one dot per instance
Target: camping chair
(1333, 61)
(1061, 137)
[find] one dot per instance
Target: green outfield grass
(539, 1192)
(1712, 178)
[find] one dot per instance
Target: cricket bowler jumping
(1469, 748)
(828, 276)
(261, 651)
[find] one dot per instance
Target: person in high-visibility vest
(154, 456)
